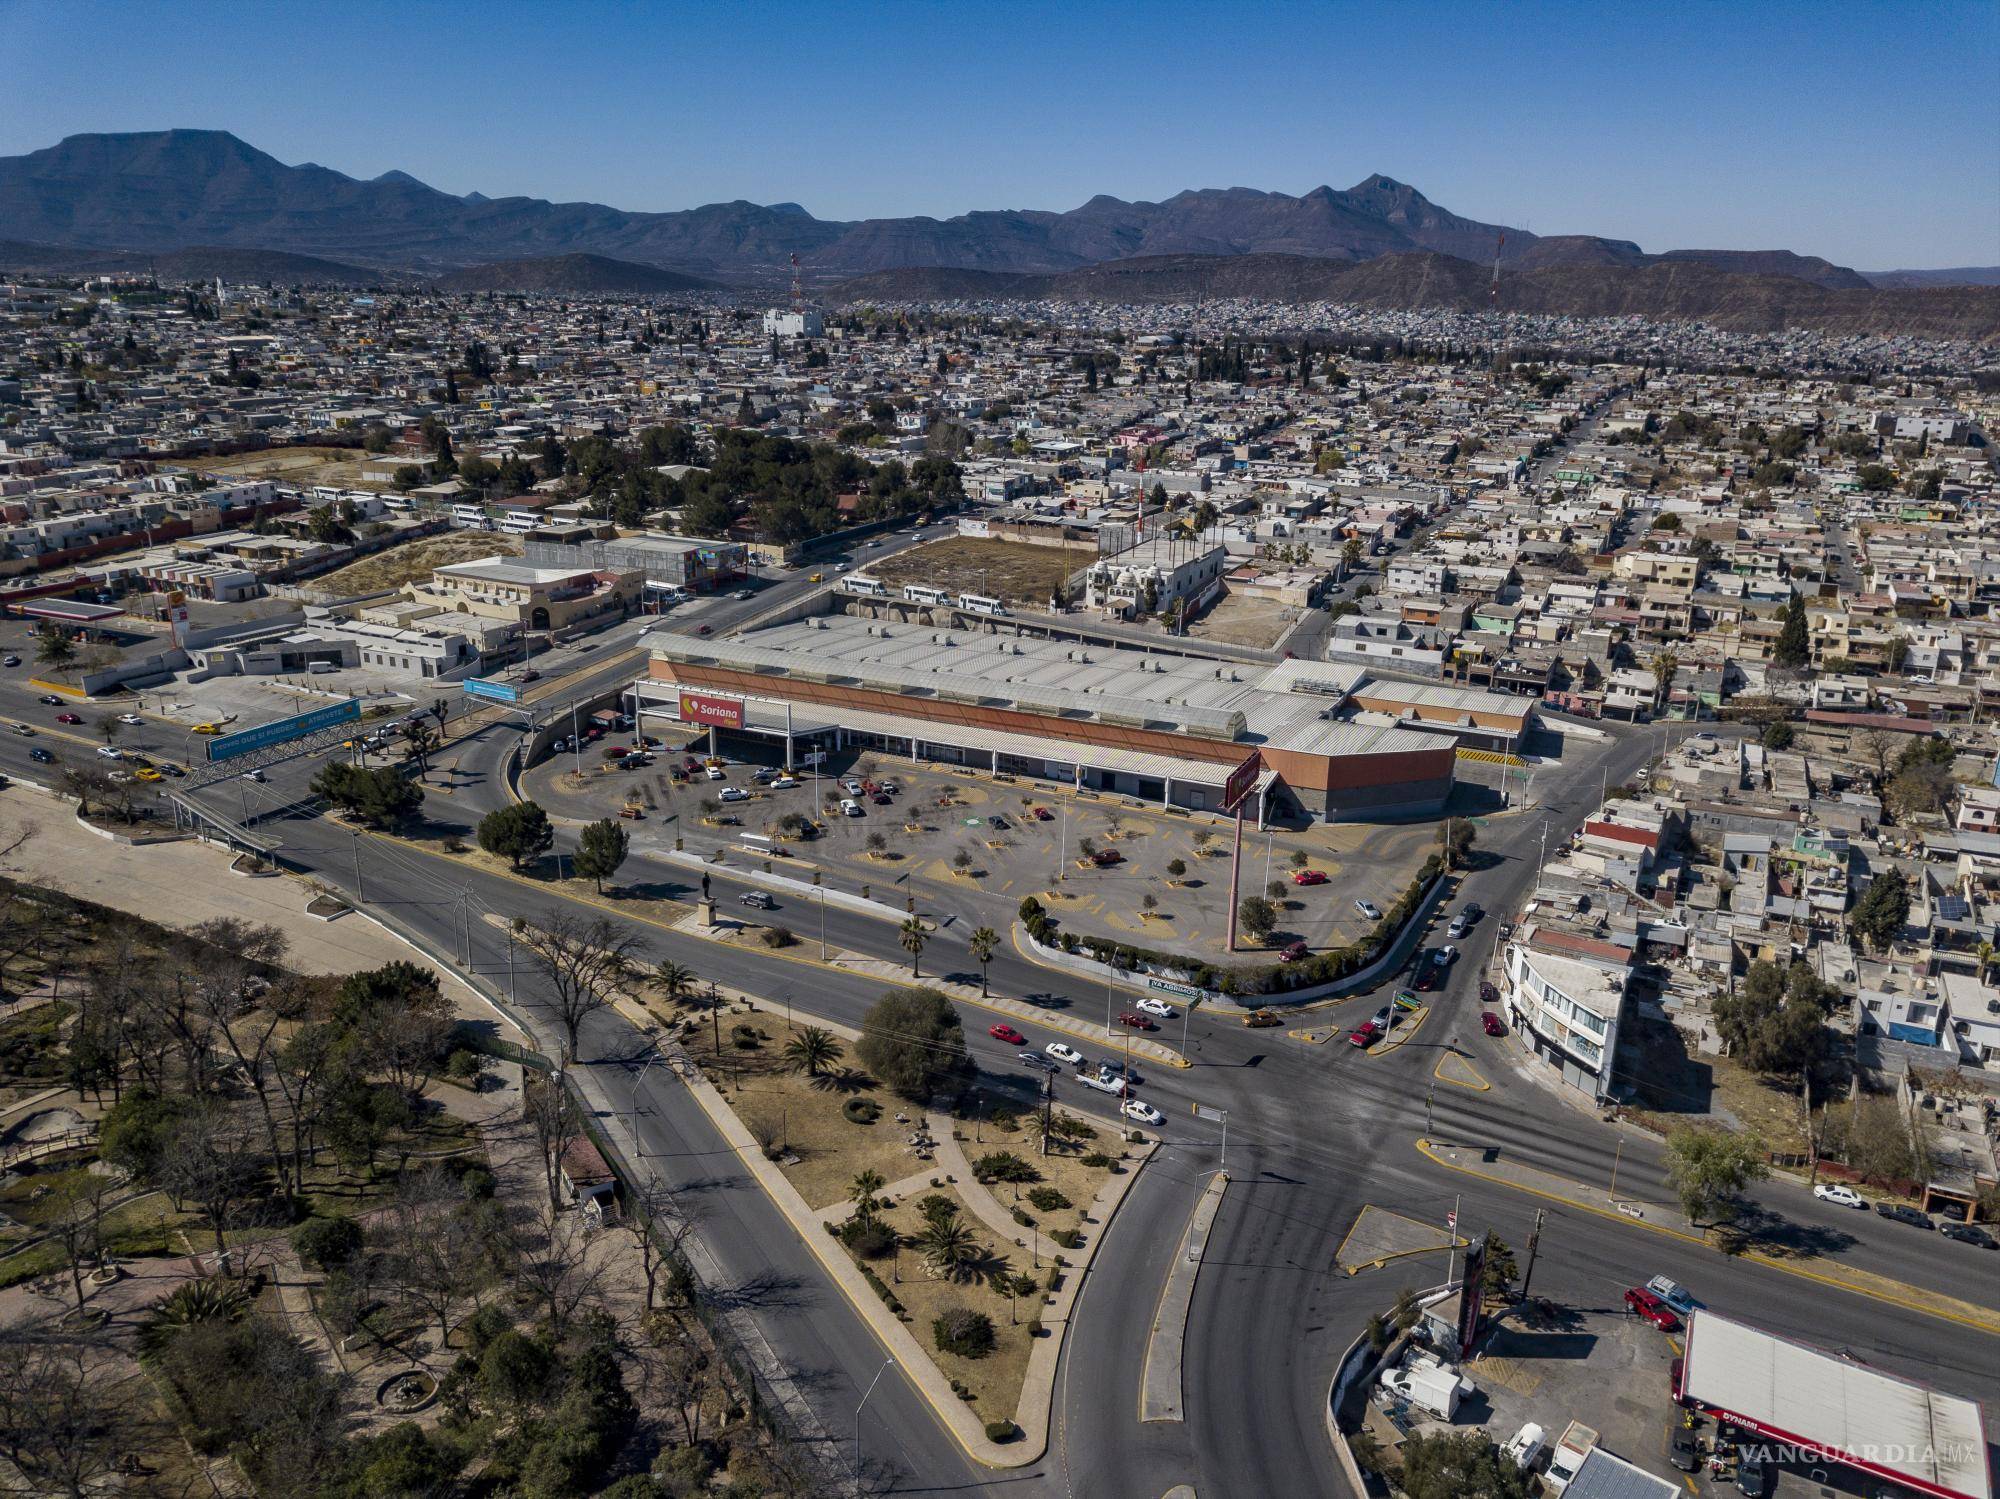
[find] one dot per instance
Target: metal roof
(1605, 1475)
(1879, 1423)
(70, 611)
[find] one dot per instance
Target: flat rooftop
(1284, 706)
(502, 569)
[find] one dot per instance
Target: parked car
(1037, 1061)
(760, 899)
(1063, 1052)
(1006, 1033)
(10, 660)
(1678, 1298)
(1104, 858)
(714, 772)
(997, 823)
(1143, 1112)
(1902, 1214)
(1292, 952)
(1308, 877)
(1368, 909)
(1133, 1020)
(734, 794)
(849, 807)
(1258, 1019)
(1153, 1006)
(784, 782)
(1365, 1034)
(1643, 1303)
(883, 799)
(763, 775)
(1492, 1024)
(1838, 1193)
(1969, 1233)
(1043, 814)
(1683, 1451)
(852, 786)
(1753, 1474)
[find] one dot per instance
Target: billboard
(711, 712)
(499, 692)
(1241, 780)
(1471, 1294)
(229, 746)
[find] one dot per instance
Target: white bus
(916, 593)
(978, 603)
(874, 588)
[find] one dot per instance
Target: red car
(1644, 1303)
(1293, 951)
(1104, 858)
(1427, 980)
(1309, 877)
(1135, 1020)
(1043, 814)
(1006, 1033)
(1493, 1024)
(69, 718)
(703, 630)
(1364, 1034)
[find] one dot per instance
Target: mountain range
(179, 191)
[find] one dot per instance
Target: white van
(321, 668)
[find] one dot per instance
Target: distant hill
(196, 263)
(572, 273)
(1967, 275)
(1662, 289)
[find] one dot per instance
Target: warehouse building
(1160, 728)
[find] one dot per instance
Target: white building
(1566, 1009)
(787, 322)
(1150, 575)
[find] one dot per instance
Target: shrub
(870, 1238)
(1034, 1326)
(962, 1331)
(477, 1184)
(1098, 1159)
(484, 1325)
(325, 1243)
(1068, 1238)
(745, 1038)
(1004, 1166)
(1023, 1219)
(464, 1066)
(1029, 909)
(1001, 1431)
(1048, 1199)
(778, 936)
(861, 1110)
(936, 1207)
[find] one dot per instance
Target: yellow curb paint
(1478, 1084)
(1407, 1029)
(1978, 1318)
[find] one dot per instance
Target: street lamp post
(857, 1411)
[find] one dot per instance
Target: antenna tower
(1493, 292)
(798, 287)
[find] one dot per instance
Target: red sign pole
(1235, 862)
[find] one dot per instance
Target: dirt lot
(1017, 573)
(1237, 619)
(302, 465)
(413, 560)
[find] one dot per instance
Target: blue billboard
(500, 692)
(229, 746)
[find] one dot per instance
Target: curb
(1170, 1316)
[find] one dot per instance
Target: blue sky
(1866, 133)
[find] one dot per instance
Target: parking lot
(1139, 874)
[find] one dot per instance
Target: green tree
(600, 850)
(419, 739)
(812, 1051)
(1257, 916)
(1775, 1023)
(1499, 1272)
(911, 1039)
(1778, 735)
(1875, 477)
(861, 1192)
(1456, 835)
(1709, 1169)
(1882, 910)
(379, 798)
(53, 648)
(948, 1247)
(1793, 648)
(911, 937)
(519, 832)
(982, 944)
(677, 980)
(1458, 1465)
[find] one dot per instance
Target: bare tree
(661, 1229)
(553, 1118)
(584, 959)
(549, 1251)
(206, 1162)
(238, 958)
(79, 1226)
(436, 1243)
(59, 1420)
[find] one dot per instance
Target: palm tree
(811, 1050)
(861, 1192)
(913, 937)
(948, 1247)
(981, 945)
(1053, 1132)
(676, 978)
(1665, 664)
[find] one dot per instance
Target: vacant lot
(300, 465)
(1018, 574)
(415, 559)
(1239, 619)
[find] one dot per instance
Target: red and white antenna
(1493, 293)
(799, 291)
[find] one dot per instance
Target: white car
(111, 752)
(1143, 1112)
(849, 807)
(715, 772)
(1447, 955)
(743, 593)
(1063, 1052)
(784, 783)
(131, 718)
(735, 794)
(1368, 909)
(1834, 1192)
(1153, 1006)
(851, 786)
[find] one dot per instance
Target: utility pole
(1534, 1243)
(360, 893)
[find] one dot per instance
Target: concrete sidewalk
(181, 884)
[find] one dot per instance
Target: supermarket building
(1161, 728)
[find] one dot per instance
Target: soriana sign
(711, 712)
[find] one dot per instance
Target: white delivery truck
(1571, 1448)
(1428, 1385)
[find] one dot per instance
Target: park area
(1018, 573)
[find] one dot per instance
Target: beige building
(553, 599)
